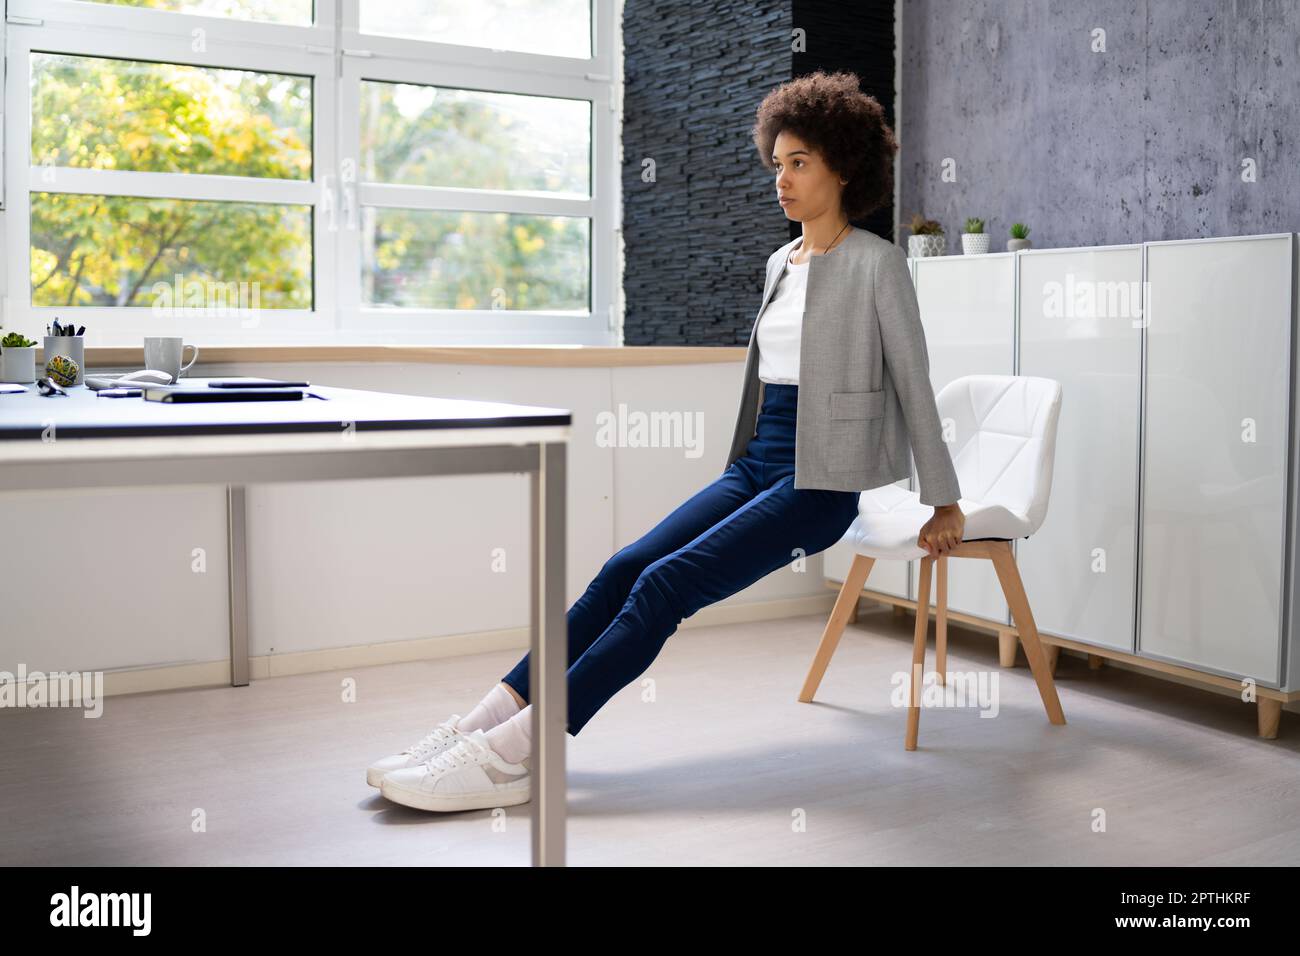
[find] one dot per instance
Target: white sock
(498, 706)
(513, 739)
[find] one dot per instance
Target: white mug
(164, 352)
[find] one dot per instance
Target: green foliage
(428, 136)
(436, 136)
(97, 113)
(115, 114)
(1019, 230)
(16, 340)
(925, 227)
(974, 225)
(460, 260)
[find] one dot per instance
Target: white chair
(1003, 451)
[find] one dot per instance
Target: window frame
(338, 58)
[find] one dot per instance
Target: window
(348, 170)
(275, 11)
(554, 27)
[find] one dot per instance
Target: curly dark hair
(848, 128)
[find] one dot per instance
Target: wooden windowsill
(567, 356)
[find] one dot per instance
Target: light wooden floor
(722, 766)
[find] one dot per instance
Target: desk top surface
(82, 413)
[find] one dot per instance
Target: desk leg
(548, 661)
(237, 584)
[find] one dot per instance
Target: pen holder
(73, 346)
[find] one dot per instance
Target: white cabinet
(1174, 520)
(1080, 313)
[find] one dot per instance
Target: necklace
(829, 247)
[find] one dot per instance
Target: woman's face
(806, 187)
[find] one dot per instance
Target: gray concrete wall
(1142, 142)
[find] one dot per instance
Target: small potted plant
(927, 238)
(17, 359)
(1019, 237)
(974, 240)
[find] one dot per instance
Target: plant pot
(73, 346)
(18, 364)
(919, 247)
(1015, 245)
(974, 243)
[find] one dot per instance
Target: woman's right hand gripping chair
(1002, 452)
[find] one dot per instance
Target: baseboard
(217, 673)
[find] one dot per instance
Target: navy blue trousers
(733, 532)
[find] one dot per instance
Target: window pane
(296, 12)
(111, 250)
(552, 27)
(415, 258)
(436, 136)
(163, 117)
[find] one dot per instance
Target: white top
(781, 324)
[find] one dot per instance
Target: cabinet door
(1215, 437)
(1080, 324)
(968, 310)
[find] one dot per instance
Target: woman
(795, 469)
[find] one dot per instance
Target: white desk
(84, 441)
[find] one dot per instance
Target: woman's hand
(943, 531)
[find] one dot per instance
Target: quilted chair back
(1005, 440)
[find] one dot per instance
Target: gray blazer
(865, 398)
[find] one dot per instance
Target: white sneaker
(441, 738)
(468, 776)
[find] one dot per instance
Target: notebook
(181, 393)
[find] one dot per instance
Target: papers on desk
(97, 382)
(11, 387)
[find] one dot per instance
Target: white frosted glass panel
(1080, 314)
(968, 310)
(1215, 445)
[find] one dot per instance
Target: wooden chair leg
(853, 614)
(844, 604)
(918, 653)
(1014, 591)
(941, 619)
